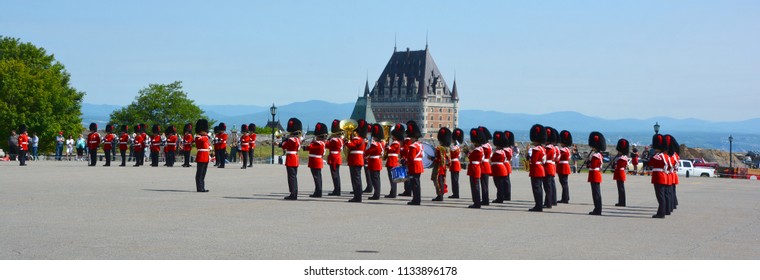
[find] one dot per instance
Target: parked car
(687, 168)
(702, 162)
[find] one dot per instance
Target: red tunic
(291, 147)
(374, 154)
(252, 138)
(245, 142)
(455, 165)
(674, 173)
(217, 141)
(203, 144)
(537, 158)
(485, 166)
(316, 152)
(108, 141)
(549, 166)
(356, 151)
(620, 165)
(498, 164)
(414, 158)
(657, 162)
(139, 142)
(188, 144)
(124, 141)
(93, 140)
(335, 146)
(223, 141)
(508, 163)
(145, 140)
(393, 153)
(438, 159)
(563, 166)
(23, 142)
(171, 143)
(155, 144)
(473, 169)
(594, 168)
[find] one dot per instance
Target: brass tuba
(348, 126)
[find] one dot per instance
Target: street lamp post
(656, 127)
(730, 153)
(273, 110)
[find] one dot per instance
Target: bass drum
(428, 154)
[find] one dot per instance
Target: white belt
(123, 143)
(244, 144)
(485, 160)
(24, 143)
(393, 155)
(357, 152)
(475, 162)
(316, 156)
(291, 153)
(498, 163)
(417, 159)
(93, 141)
(334, 152)
(373, 157)
(550, 161)
(454, 159)
(621, 169)
(658, 170)
(171, 144)
(594, 169)
(154, 144)
(203, 150)
(564, 162)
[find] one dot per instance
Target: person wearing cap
(155, 145)
(393, 151)
(60, 141)
(473, 168)
(673, 151)
(316, 152)
(356, 147)
(123, 145)
(138, 144)
(619, 169)
(550, 168)
(93, 141)
(251, 143)
(499, 163)
(335, 158)
(221, 147)
(374, 159)
(537, 160)
(598, 144)
(202, 156)
(187, 144)
(441, 163)
(171, 146)
(291, 146)
(108, 143)
(414, 161)
(23, 145)
(245, 145)
(563, 166)
(457, 138)
(659, 179)
(485, 165)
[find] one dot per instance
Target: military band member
(563, 166)
(499, 164)
(23, 145)
(171, 145)
(291, 146)
(508, 153)
(221, 150)
(537, 160)
(155, 145)
(251, 143)
(619, 169)
(659, 178)
(393, 156)
(550, 168)
(187, 144)
(93, 141)
(145, 142)
(485, 165)
(671, 173)
(137, 145)
(374, 160)
(202, 156)
(316, 152)
(356, 147)
(108, 143)
(414, 161)
(457, 138)
(598, 144)
(473, 168)
(245, 145)
(335, 158)
(441, 163)
(402, 155)
(673, 152)
(123, 144)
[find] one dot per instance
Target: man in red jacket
(187, 144)
(291, 147)
(108, 143)
(93, 141)
(537, 160)
(123, 145)
(392, 156)
(356, 148)
(485, 165)
(202, 157)
(374, 159)
(23, 145)
(598, 144)
(659, 179)
(221, 158)
(335, 158)
(245, 145)
(473, 168)
(316, 152)
(414, 161)
(171, 146)
(155, 145)
(550, 168)
(619, 169)
(563, 166)
(251, 143)
(499, 166)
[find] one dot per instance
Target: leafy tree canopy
(160, 104)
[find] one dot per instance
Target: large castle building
(411, 88)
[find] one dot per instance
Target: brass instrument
(348, 126)
(387, 130)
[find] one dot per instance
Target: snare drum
(398, 174)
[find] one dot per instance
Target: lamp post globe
(656, 127)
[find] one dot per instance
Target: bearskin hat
(596, 140)
(538, 134)
(552, 136)
(658, 142)
(674, 146)
(623, 146)
(398, 131)
(486, 133)
(444, 136)
(252, 128)
(124, 128)
(413, 130)
(109, 128)
(171, 129)
(510, 138)
(671, 144)
(93, 127)
(222, 127)
(156, 129)
(377, 131)
(362, 127)
(320, 129)
(244, 128)
(201, 125)
(22, 128)
(137, 128)
(457, 136)
(566, 138)
(143, 127)
(335, 127)
(294, 125)
(188, 127)
(499, 140)
(476, 136)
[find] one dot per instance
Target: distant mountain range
(692, 132)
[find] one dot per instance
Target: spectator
(576, 156)
(59, 142)
(69, 147)
(80, 147)
(35, 146)
(635, 160)
(13, 145)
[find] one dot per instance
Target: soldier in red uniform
(137, 145)
(676, 158)
(356, 148)
(441, 163)
(457, 138)
(508, 153)
(537, 160)
(291, 146)
(316, 152)
(550, 168)
(335, 158)
(374, 159)
(221, 158)
(563, 166)
(171, 146)
(23, 145)
(145, 143)
(402, 155)
(672, 175)
(659, 178)
(598, 144)
(108, 143)
(155, 145)
(619, 169)
(123, 144)
(245, 145)
(251, 143)
(187, 144)
(499, 163)
(392, 155)
(485, 165)
(93, 141)
(473, 168)
(202, 156)
(413, 158)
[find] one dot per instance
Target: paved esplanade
(66, 210)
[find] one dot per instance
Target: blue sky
(611, 59)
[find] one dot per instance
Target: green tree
(160, 104)
(35, 90)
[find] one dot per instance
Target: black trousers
(596, 195)
(368, 179)
(245, 158)
(108, 157)
(390, 179)
(93, 156)
(553, 198)
(222, 157)
(375, 179)
(187, 158)
(455, 183)
(621, 192)
(659, 192)
(508, 188)
(414, 184)
(407, 188)
(565, 188)
(335, 174)
(484, 187)
(475, 191)
(123, 157)
(250, 157)
(292, 180)
(138, 157)
(668, 199)
(200, 176)
(535, 185)
(153, 158)
(22, 157)
(356, 181)
(675, 198)
(500, 182)
(548, 182)
(315, 172)
(170, 158)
